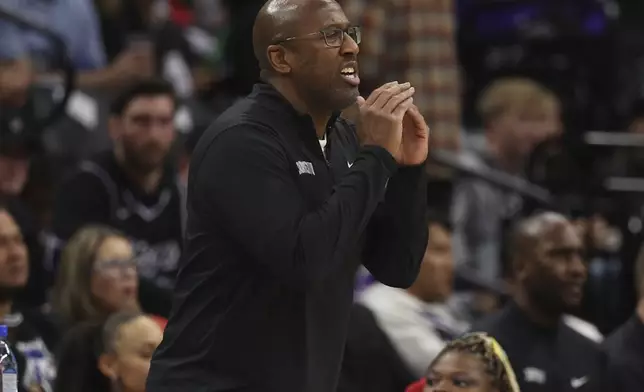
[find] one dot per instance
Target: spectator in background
(474, 361)
(417, 320)
(625, 347)
(550, 272)
(127, 25)
(97, 277)
(31, 333)
(25, 52)
(133, 188)
(413, 42)
(108, 357)
(517, 114)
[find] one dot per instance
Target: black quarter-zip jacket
(275, 235)
(555, 359)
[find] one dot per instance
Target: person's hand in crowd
(381, 117)
(485, 302)
(599, 234)
(35, 388)
(14, 172)
(604, 236)
(131, 65)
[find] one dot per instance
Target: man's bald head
(528, 232)
(278, 20)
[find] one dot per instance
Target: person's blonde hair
(72, 298)
(520, 95)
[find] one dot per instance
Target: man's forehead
(561, 235)
(320, 14)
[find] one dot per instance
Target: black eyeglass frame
(354, 32)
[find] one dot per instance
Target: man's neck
(534, 313)
(320, 119)
(148, 182)
(416, 292)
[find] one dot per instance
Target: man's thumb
(360, 101)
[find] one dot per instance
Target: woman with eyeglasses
(97, 277)
(113, 356)
(474, 363)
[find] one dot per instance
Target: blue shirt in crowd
(75, 20)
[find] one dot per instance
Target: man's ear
(279, 59)
(107, 365)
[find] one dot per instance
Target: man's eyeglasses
(333, 37)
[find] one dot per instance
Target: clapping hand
(415, 139)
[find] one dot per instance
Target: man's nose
(349, 46)
(577, 266)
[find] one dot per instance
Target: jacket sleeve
(397, 234)
(245, 181)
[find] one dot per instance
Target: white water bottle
(8, 363)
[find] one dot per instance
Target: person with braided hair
(474, 362)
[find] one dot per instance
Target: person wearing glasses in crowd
(97, 277)
(135, 188)
(285, 200)
(474, 362)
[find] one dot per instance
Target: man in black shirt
(550, 272)
(285, 201)
(625, 347)
(133, 189)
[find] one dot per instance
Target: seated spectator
(96, 278)
(549, 276)
(417, 320)
(133, 188)
(31, 333)
(76, 23)
(16, 156)
(625, 347)
(517, 114)
(472, 362)
(109, 357)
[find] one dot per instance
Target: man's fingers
(360, 101)
(376, 93)
(402, 108)
(417, 118)
(398, 99)
(388, 94)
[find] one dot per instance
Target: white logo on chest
(578, 382)
(305, 168)
(534, 375)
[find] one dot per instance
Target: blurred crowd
(92, 204)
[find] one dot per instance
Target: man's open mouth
(350, 76)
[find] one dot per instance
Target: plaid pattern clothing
(414, 40)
